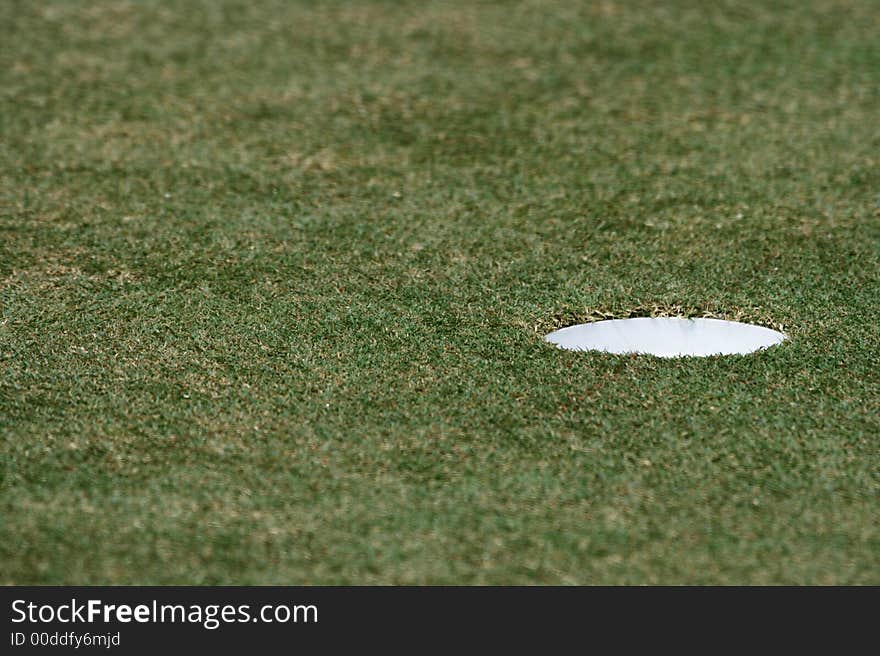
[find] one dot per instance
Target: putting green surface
(274, 280)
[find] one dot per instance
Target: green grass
(274, 279)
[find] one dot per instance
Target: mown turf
(274, 278)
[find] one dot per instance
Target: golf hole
(666, 337)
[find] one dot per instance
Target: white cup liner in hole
(666, 337)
